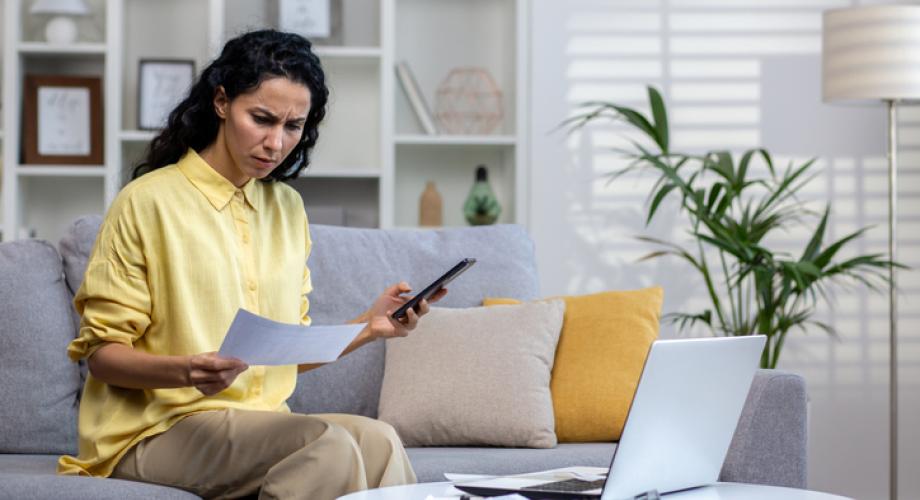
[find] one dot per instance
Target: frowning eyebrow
(271, 116)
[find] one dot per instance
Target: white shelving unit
(46, 198)
(372, 159)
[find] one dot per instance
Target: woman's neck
(218, 157)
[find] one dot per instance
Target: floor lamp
(873, 54)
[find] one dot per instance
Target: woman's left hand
(382, 325)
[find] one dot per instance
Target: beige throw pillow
(476, 376)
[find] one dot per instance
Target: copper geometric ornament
(468, 101)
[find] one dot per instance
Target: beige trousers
(233, 453)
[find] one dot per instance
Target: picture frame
(320, 21)
(62, 120)
(309, 18)
(161, 85)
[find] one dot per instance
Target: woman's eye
(293, 127)
(261, 119)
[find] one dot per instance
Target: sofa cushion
(40, 385)
(351, 267)
(430, 464)
(76, 246)
(602, 349)
(26, 477)
(474, 376)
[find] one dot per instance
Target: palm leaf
(660, 116)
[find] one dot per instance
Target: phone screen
(433, 288)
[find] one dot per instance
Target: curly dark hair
(244, 63)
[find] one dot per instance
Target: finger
(207, 375)
(396, 322)
(423, 308)
(438, 295)
(398, 289)
(411, 320)
(210, 389)
(220, 363)
(399, 327)
(199, 377)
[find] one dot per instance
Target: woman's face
(261, 127)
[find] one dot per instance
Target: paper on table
(260, 341)
(456, 477)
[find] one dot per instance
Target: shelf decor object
(430, 210)
(416, 99)
(61, 28)
(162, 83)
(873, 54)
(62, 120)
(469, 102)
(481, 207)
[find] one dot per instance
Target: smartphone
(433, 288)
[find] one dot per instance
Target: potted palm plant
(732, 210)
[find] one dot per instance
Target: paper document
(456, 477)
(260, 341)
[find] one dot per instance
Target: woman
(203, 230)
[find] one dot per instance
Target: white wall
(736, 74)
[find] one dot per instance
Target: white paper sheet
(260, 341)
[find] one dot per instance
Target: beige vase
(430, 207)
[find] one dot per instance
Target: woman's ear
(221, 102)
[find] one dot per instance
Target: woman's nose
(274, 140)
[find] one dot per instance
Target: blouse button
(252, 285)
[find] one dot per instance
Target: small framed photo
(310, 18)
(162, 83)
(62, 120)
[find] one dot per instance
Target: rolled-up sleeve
(114, 299)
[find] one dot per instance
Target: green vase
(481, 206)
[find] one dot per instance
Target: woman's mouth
(264, 162)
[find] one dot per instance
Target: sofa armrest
(770, 442)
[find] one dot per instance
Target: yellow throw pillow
(605, 339)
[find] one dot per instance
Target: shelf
(353, 173)
(456, 140)
(348, 52)
(61, 170)
(137, 135)
(373, 159)
(42, 48)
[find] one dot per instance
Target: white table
(720, 491)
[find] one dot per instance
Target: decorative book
(416, 99)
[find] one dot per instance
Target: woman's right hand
(211, 373)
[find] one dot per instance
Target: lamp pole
(893, 292)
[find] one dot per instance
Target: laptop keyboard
(568, 486)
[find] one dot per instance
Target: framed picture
(62, 120)
(309, 18)
(162, 83)
(318, 20)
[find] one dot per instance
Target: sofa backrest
(40, 386)
(351, 267)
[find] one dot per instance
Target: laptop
(677, 432)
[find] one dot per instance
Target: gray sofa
(40, 388)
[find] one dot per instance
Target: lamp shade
(66, 7)
(871, 53)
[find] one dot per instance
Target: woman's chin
(259, 173)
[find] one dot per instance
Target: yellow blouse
(180, 250)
